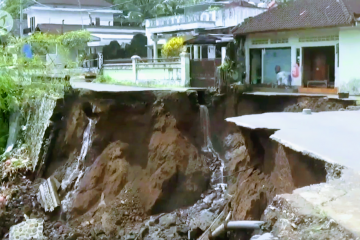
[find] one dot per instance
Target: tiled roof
(301, 14)
(353, 6)
(93, 3)
(54, 28)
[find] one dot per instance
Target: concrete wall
(157, 74)
(294, 40)
(349, 50)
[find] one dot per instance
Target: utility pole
(21, 19)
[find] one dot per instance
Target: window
(337, 54)
(32, 24)
(319, 38)
(260, 41)
(298, 56)
(97, 21)
(279, 40)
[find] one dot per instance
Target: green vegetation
(352, 87)
(213, 8)
(32, 96)
(13, 7)
(150, 84)
(139, 10)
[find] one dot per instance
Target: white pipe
(217, 231)
(232, 225)
(244, 224)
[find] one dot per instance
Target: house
(197, 18)
(317, 41)
(95, 16)
(82, 12)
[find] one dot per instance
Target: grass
(152, 84)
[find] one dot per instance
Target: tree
(173, 47)
(138, 45)
(139, 10)
(13, 7)
(18, 87)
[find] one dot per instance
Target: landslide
(144, 158)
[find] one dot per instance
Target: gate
(202, 72)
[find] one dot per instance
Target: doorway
(255, 66)
(319, 67)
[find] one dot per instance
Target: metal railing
(128, 61)
(182, 19)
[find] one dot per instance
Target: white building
(96, 12)
(208, 15)
(96, 16)
(318, 48)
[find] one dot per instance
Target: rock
(74, 236)
(168, 220)
(201, 206)
(130, 237)
(218, 205)
(143, 232)
(209, 198)
(265, 236)
(353, 108)
(170, 233)
(236, 157)
(182, 229)
(202, 220)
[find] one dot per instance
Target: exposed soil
(144, 174)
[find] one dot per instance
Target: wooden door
(320, 67)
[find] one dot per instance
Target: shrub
(173, 47)
(352, 87)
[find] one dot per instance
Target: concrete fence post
(134, 60)
(185, 69)
(223, 54)
(196, 52)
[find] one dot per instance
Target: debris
(102, 201)
(29, 229)
(47, 195)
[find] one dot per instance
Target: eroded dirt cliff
(130, 165)
(144, 159)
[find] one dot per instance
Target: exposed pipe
(62, 27)
(90, 18)
(233, 225)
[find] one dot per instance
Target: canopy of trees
(136, 47)
(138, 10)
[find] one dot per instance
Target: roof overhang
(92, 10)
(105, 39)
(288, 30)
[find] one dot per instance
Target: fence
(157, 72)
(203, 72)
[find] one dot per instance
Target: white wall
(349, 50)
(70, 17)
(293, 43)
(219, 18)
(231, 17)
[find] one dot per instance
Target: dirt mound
(316, 105)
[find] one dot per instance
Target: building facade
(314, 47)
(195, 18)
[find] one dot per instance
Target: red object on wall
(295, 71)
